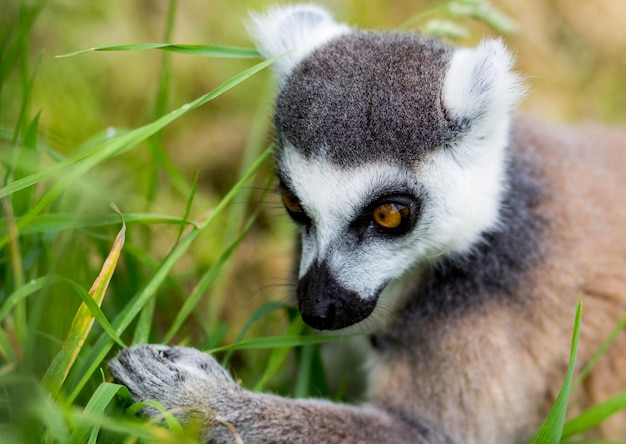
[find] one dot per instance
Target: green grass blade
(552, 429)
(445, 29)
(144, 324)
(52, 416)
(260, 313)
(600, 352)
(197, 50)
(305, 367)
(281, 342)
(484, 12)
(162, 159)
(213, 272)
(98, 402)
(95, 311)
(172, 422)
(279, 354)
(134, 429)
(421, 16)
(152, 265)
(48, 223)
(160, 106)
(44, 282)
(205, 282)
(254, 147)
(23, 292)
(192, 194)
(594, 415)
(584, 441)
(21, 201)
(16, 269)
(6, 349)
(84, 161)
(238, 186)
(27, 86)
(236, 213)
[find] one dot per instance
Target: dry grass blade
(84, 319)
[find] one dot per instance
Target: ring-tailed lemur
(458, 233)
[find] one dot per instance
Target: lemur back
(453, 232)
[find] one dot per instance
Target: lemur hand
(187, 382)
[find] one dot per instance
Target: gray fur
(198, 390)
(498, 266)
(385, 106)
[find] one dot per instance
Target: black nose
(318, 319)
(325, 305)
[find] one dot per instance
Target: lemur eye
(390, 215)
(291, 202)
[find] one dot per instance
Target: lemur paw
(182, 379)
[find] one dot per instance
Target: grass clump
(62, 312)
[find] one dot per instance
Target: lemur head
(391, 151)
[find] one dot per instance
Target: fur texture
(505, 223)
(301, 29)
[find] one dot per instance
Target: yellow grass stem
(83, 320)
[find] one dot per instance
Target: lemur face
(359, 230)
(390, 153)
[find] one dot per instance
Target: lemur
(455, 231)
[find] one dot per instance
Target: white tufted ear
(480, 85)
(293, 29)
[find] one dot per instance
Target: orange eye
(390, 215)
(291, 202)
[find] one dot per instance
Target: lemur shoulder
(458, 233)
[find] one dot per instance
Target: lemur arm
(193, 386)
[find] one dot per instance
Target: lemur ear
(480, 85)
(294, 29)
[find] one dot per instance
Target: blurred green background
(572, 54)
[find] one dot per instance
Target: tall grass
(92, 259)
(59, 257)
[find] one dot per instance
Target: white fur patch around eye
(332, 196)
(293, 30)
(465, 196)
